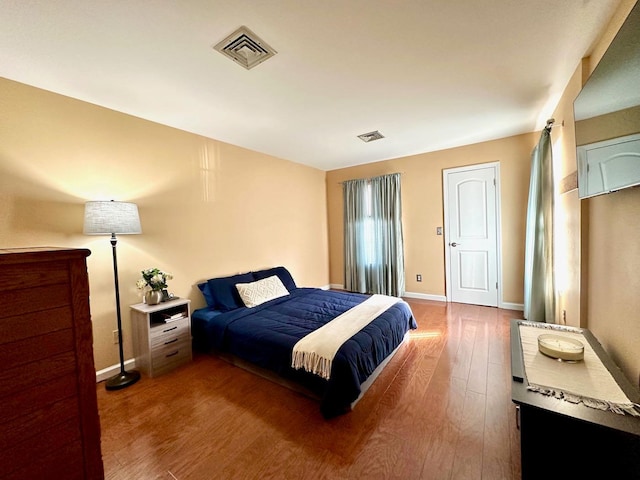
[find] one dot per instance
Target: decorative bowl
(561, 347)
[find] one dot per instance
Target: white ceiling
(428, 74)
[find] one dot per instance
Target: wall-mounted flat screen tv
(607, 116)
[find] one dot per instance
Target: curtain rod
(370, 178)
(552, 123)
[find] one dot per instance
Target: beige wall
(604, 278)
(605, 127)
(613, 258)
(422, 209)
(207, 208)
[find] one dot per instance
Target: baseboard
(107, 373)
(440, 298)
(425, 296)
(512, 306)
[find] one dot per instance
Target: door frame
(445, 190)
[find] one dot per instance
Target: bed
(265, 333)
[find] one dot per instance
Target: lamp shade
(107, 217)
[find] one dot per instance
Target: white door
(610, 165)
(471, 234)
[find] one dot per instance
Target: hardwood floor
(440, 410)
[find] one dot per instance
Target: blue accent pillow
(224, 292)
(281, 272)
(206, 293)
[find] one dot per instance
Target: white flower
(153, 279)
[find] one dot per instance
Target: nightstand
(161, 335)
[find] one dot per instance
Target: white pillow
(255, 293)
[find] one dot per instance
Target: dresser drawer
(168, 332)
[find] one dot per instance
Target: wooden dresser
(560, 439)
(49, 424)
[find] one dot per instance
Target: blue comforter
(265, 335)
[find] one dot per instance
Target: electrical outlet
(438, 230)
(116, 337)
(418, 278)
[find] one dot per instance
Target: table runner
(588, 381)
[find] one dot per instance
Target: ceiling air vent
(245, 47)
(371, 136)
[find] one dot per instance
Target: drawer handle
(172, 354)
(518, 417)
(169, 329)
(171, 341)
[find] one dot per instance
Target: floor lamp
(109, 217)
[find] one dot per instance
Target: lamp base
(122, 380)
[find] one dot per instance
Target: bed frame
(296, 387)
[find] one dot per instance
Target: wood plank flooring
(440, 410)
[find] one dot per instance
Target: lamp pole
(124, 378)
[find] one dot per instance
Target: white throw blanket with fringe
(315, 351)
(587, 382)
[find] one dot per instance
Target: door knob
(454, 244)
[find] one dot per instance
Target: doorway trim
(445, 191)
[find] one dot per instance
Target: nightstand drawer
(163, 334)
(169, 356)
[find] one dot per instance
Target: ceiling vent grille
(245, 48)
(371, 136)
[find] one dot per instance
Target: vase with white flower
(152, 283)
